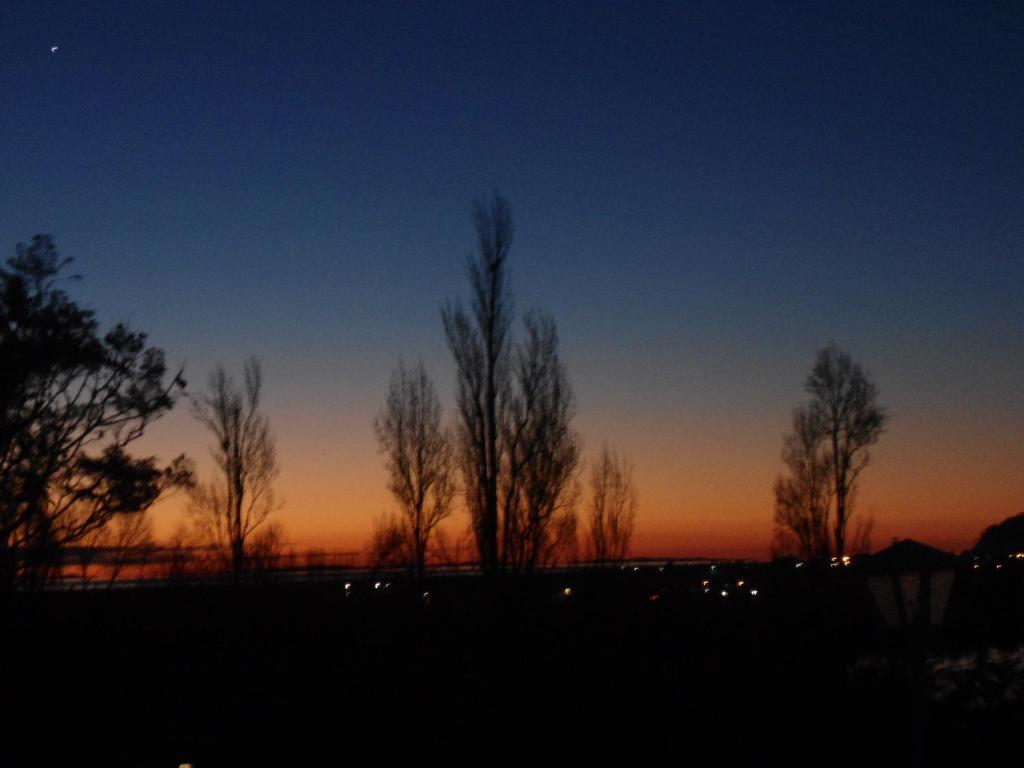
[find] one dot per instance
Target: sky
(704, 195)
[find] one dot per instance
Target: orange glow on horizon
(704, 481)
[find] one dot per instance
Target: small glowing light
(661, 569)
(348, 586)
(376, 585)
(54, 49)
(655, 597)
(753, 592)
(976, 566)
(567, 591)
(713, 567)
(706, 590)
(725, 593)
(180, 765)
(998, 566)
(387, 585)
(740, 583)
(706, 582)
(636, 568)
(799, 565)
(846, 560)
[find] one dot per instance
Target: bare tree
(389, 544)
(845, 405)
(229, 509)
(803, 498)
(266, 548)
(563, 543)
(449, 546)
(515, 447)
(859, 542)
(418, 456)
(479, 342)
(542, 452)
(613, 507)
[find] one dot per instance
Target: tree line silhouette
(73, 400)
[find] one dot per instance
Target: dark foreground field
(626, 666)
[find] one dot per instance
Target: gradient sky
(704, 194)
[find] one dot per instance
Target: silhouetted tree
(265, 549)
(389, 544)
(449, 549)
(229, 509)
(844, 405)
(479, 342)
(418, 456)
(516, 450)
(613, 507)
(72, 400)
(803, 498)
(542, 452)
(562, 543)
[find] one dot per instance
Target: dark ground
(303, 674)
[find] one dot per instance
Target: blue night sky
(704, 195)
